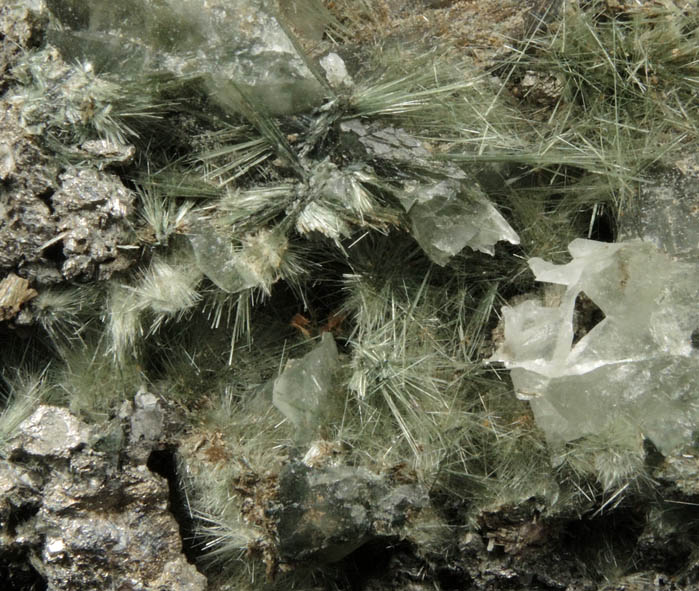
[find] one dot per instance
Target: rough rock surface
(14, 292)
(22, 25)
(93, 515)
(326, 513)
(55, 225)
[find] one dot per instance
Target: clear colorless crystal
(638, 364)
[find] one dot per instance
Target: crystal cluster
(639, 364)
(447, 214)
(217, 40)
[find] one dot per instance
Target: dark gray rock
(56, 226)
(20, 488)
(327, 513)
(90, 209)
(28, 177)
(93, 519)
(51, 432)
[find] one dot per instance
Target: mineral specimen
(220, 41)
(446, 217)
(302, 391)
(254, 263)
(446, 214)
(89, 519)
(666, 211)
(14, 291)
(327, 513)
(638, 364)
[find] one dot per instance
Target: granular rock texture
(93, 519)
(22, 25)
(327, 513)
(54, 225)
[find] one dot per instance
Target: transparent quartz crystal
(639, 363)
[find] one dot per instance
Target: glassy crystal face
(254, 263)
(639, 363)
(445, 215)
(221, 40)
(666, 210)
(302, 393)
(446, 218)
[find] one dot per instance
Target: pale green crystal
(302, 393)
(447, 214)
(446, 218)
(221, 40)
(254, 263)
